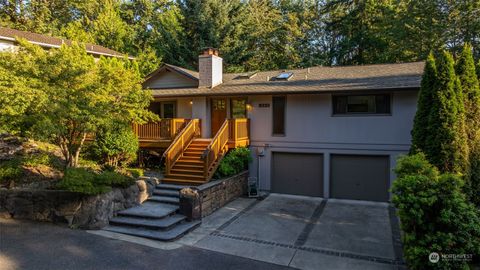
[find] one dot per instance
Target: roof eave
(260, 93)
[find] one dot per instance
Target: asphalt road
(33, 245)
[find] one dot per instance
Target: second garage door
(359, 177)
(297, 174)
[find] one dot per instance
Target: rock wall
(216, 194)
(78, 210)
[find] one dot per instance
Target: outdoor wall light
(249, 107)
(191, 102)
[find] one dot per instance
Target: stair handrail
(215, 149)
(180, 143)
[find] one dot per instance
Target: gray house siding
(169, 79)
(310, 127)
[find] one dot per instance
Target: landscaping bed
(36, 185)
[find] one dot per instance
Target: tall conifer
(465, 70)
(446, 143)
(420, 125)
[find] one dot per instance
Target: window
(238, 108)
(278, 104)
(361, 104)
(168, 110)
(284, 76)
(164, 109)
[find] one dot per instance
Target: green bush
(113, 179)
(88, 182)
(10, 170)
(83, 181)
(37, 159)
(234, 162)
(435, 215)
(136, 173)
(116, 145)
(415, 165)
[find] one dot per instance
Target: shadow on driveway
(33, 245)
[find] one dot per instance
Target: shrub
(136, 173)
(415, 165)
(10, 170)
(81, 180)
(113, 179)
(37, 159)
(435, 215)
(234, 162)
(116, 145)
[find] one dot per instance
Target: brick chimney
(210, 67)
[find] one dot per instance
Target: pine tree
(465, 70)
(420, 124)
(478, 70)
(446, 143)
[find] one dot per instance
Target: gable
(168, 78)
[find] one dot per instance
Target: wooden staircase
(189, 168)
(192, 161)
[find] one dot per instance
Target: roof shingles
(313, 80)
(44, 40)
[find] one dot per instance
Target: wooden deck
(159, 134)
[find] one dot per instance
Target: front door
(219, 114)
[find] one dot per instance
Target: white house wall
(311, 128)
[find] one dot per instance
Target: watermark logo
(434, 257)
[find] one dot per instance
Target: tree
(465, 69)
(80, 94)
(447, 147)
(421, 125)
(116, 144)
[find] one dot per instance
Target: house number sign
(264, 105)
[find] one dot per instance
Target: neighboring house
(332, 132)
(9, 36)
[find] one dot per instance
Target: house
(332, 132)
(8, 37)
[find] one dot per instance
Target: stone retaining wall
(78, 210)
(218, 193)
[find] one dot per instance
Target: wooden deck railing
(239, 129)
(165, 129)
(217, 148)
(181, 142)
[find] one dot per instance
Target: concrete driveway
(310, 233)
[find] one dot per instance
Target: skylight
(284, 76)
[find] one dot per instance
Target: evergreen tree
(468, 78)
(446, 143)
(478, 70)
(421, 125)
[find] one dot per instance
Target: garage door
(359, 177)
(297, 174)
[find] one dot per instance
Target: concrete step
(150, 210)
(167, 193)
(164, 199)
(161, 224)
(168, 235)
(173, 187)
